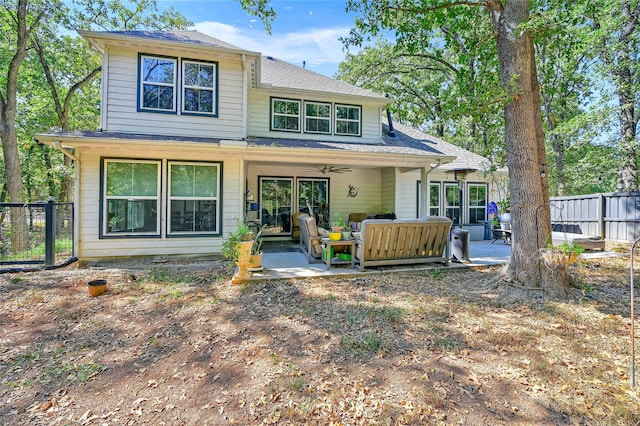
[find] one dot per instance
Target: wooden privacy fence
(612, 216)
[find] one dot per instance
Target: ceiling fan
(326, 169)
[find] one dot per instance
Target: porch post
(424, 191)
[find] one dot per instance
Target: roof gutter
(58, 145)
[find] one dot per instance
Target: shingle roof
(192, 37)
(407, 136)
(189, 37)
(407, 141)
(282, 74)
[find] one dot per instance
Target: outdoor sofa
(401, 242)
(588, 242)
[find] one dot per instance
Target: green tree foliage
(117, 15)
(447, 92)
(615, 26)
(415, 24)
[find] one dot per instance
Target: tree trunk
(624, 82)
(628, 180)
(530, 210)
(8, 105)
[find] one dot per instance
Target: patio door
(276, 199)
(452, 202)
(313, 198)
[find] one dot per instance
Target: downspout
(65, 151)
(424, 188)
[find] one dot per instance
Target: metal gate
(36, 233)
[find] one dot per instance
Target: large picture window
(317, 117)
(285, 115)
(132, 197)
(157, 83)
(193, 197)
(348, 120)
(199, 87)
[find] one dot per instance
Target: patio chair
(295, 227)
(310, 238)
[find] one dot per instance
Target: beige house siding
(122, 103)
(367, 181)
(260, 116)
(388, 190)
(406, 194)
(89, 243)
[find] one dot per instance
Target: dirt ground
(177, 344)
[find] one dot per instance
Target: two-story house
(196, 133)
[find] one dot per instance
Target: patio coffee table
(327, 244)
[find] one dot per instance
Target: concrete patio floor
(283, 260)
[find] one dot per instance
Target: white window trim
(170, 198)
(213, 89)
(348, 120)
(107, 198)
(273, 114)
(439, 186)
(142, 82)
(446, 206)
(469, 206)
(328, 118)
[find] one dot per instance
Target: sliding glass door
(276, 199)
(313, 198)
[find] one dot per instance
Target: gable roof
(280, 74)
(176, 38)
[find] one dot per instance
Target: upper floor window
(317, 117)
(285, 115)
(162, 86)
(157, 83)
(199, 87)
(348, 120)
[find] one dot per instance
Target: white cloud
(320, 48)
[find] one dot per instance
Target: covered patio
(283, 259)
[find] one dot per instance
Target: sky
(302, 30)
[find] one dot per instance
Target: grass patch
(385, 314)
(75, 373)
(448, 343)
(368, 344)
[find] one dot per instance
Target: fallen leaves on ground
(177, 344)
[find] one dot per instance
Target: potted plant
(238, 243)
(561, 254)
(237, 246)
(504, 211)
(255, 264)
(337, 225)
(346, 232)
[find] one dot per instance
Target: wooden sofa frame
(400, 242)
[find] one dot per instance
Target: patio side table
(327, 244)
(502, 234)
